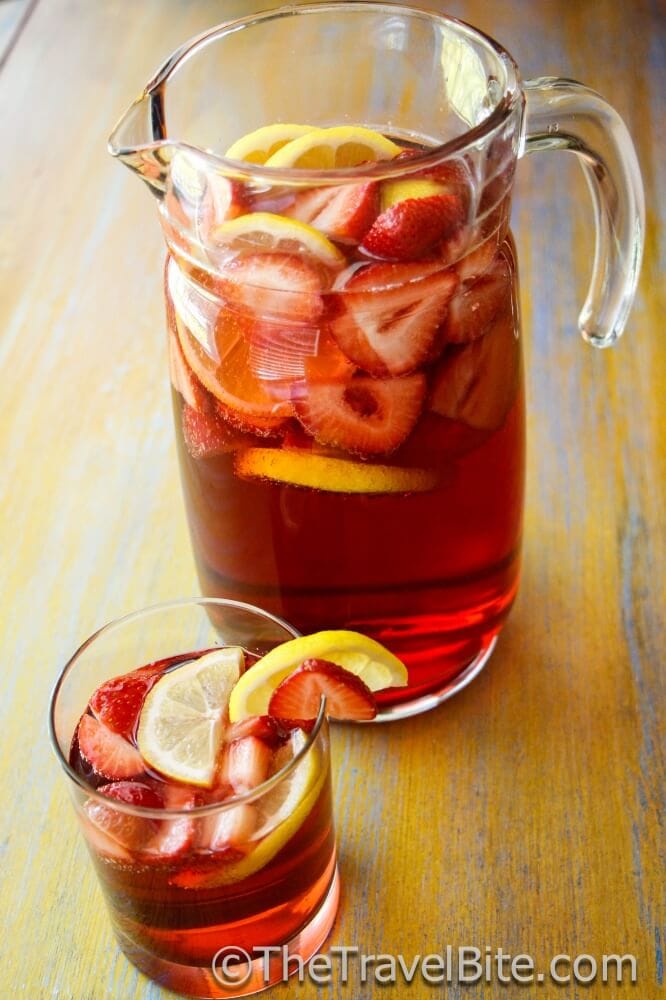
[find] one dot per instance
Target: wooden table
(524, 813)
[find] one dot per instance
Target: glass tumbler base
(208, 982)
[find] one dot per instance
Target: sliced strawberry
(209, 434)
(299, 695)
(386, 317)
(343, 213)
(132, 793)
(475, 306)
(413, 227)
(263, 727)
(454, 173)
(477, 261)
(274, 286)
(436, 440)
(276, 200)
(476, 383)
(175, 837)
(108, 754)
(118, 701)
(231, 828)
(249, 759)
(363, 415)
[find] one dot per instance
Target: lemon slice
(334, 148)
(181, 722)
(258, 146)
(368, 659)
(269, 232)
(395, 191)
(334, 475)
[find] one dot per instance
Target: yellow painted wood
(523, 814)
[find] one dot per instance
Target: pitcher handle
(563, 114)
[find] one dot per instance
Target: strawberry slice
(475, 306)
(454, 174)
(386, 316)
(299, 695)
(414, 226)
(108, 754)
(274, 286)
(476, 383)
(263, 727)
(132, 793)
(477, 261)
(343, 213)
(363, 415)
(118, 701)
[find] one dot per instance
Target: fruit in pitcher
(259, 145)
(376, 388)
(386, 317)
(412, 227)
(268, 233)
(207, 434)
(343, 213)
(475, 306)
(334, 149)
(274, 285)
(183, 378)
(333, 475)
(243, 399)
(363, 415)
(476, 382)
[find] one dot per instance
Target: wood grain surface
(526, 812)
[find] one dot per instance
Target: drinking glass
(181, 918)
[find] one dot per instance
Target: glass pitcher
(342, 309)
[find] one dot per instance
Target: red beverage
(352, 445)
(180, 886)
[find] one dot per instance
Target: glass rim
(197, 811)
(382, 169)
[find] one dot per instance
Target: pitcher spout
(139, 140)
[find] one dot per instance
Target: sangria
(342, 299)
(346, 367)
(205, 834)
